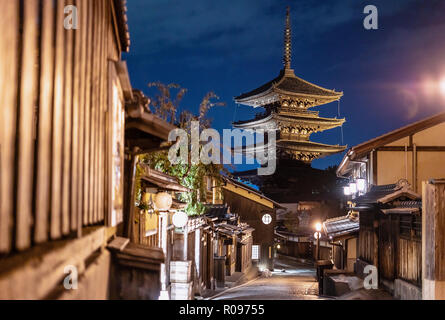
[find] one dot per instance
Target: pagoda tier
(302, 150)
(288, 90)
(287, 99)
(297, 125)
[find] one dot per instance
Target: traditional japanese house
(343, 234)
(63, 91)
(390, 238)
(233, 242)
(415, 153)
(257, 211)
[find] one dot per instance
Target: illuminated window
(255, 252)
(267, 218)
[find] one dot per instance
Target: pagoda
(287, 100)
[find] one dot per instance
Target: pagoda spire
(287, 42)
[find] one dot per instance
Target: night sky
(389, 76)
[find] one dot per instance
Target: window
(255, 252)
(267, 218)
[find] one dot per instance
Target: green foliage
(190, 176)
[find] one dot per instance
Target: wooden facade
(63, 89)
(415, 153)
(390, 236)
(56, 128)
(251, 207)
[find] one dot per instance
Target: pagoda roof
(303, 118)
(287, 84)
(310, 146)
(296, 145)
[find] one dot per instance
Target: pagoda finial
(287, 41)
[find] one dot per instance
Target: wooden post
(433, 240)
(163, 221)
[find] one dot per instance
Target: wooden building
(257, 211)
(343, 235)
(415, 153)
(390, 238)
(66, 98)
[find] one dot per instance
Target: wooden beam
(87, 119)
(25, 139)
(433, 239)
(9, 20)
(57, 124)
(44, 123)
(76, 124)
(68, 130)
(43, 266)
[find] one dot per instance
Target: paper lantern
(180, 219)
(163, 201)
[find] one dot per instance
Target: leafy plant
(190, 176)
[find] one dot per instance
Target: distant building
(386, 175)
(259, 212)
(287, 100)
(415, 153)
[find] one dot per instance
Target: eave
(271, 119)
(359, 151)
(293, 145)
(271, 91)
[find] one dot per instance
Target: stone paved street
(291, 280)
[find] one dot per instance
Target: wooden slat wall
(57, 124)
(67, 129)
(9, 20)
(410, 260)
(28, 83)
(366, 245)
(44, 123)
(54, 128)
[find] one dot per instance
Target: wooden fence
(54, 128)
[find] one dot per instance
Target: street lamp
(317, 235)
(361, 185)
(353, 187)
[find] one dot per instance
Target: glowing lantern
(180, 219)
(163, 201)
(353, 188)
(361, 185)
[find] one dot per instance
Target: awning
(144, 131)
(161, 180)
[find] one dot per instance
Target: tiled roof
(405, 207)
(122, 20)
(341, 226)
(217, 211)
(287, 81)
(376, 193)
